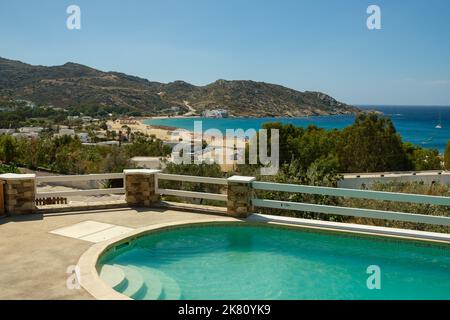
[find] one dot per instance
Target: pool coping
(353, 228)
(91, 282)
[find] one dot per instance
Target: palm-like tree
(128, 130)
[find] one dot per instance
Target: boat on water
(426, 141)
(439, 125)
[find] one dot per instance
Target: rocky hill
(72, 85)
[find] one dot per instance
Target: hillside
(72, 85)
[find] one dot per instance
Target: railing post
(240, 194)
(19, 193)
(140, 187)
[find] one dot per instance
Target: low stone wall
(19, 193)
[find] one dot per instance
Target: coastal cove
(416, 124)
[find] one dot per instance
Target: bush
(423, 159)
(8, 169)
(8, 149)
(407, 187)
(199, 170)
(322, 172)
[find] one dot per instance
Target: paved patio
(34, 261)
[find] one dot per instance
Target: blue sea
(416, 124)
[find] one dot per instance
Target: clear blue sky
(321, 45)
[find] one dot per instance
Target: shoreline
(427, 137)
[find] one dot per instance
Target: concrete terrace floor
(33, 262)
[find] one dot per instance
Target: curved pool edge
(88, 262)
(94, 285)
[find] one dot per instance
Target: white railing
(78, 178)
(267, 203)
(351, 193)
(190, 194)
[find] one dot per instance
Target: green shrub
(406, 187)
(447, 157)
(8, 169)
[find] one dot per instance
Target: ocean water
(261, 262)
(415, 124)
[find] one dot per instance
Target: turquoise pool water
(264, 262)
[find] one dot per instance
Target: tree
(120, 137)
(447, 156)
(321, 172)
(423, 159)
(372, 144)
(8, 151)
(116, 160)
(147, 147)
(304, 145)
(128, 131)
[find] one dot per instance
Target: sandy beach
(166, 133)
(163, 133)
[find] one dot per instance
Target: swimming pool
(259, 261)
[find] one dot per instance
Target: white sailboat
(439, 125)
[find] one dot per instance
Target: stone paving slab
(107, 234)
(34, 261)
(82, 229)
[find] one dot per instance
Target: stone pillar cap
(241, 179)
(141, 171)
(17, 176)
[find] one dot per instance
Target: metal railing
(191, 194)
(352, 193)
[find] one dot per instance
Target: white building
(29, 135)
(6, 131)
(65, 132)
(218, 113)
(29, 104)
(86, 119)
(31, 129)
(84, 137)
(108, 143)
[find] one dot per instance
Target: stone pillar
(19, 193)
(140, 186)
(240, 193)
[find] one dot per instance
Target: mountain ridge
(72, 84)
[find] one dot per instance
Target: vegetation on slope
(76, 86)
